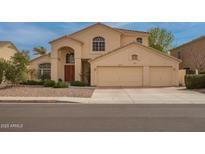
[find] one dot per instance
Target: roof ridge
(131, 30)
(97, 23)
(193, 40)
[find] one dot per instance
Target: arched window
(44, 71)
(139, 40)
(134, 57)
(98, 44)
(70, 58)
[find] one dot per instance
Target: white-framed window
(134, 57)
(98, 44)
(44, 71)
(139, 40)
(70, 59)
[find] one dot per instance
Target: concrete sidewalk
(171, 95)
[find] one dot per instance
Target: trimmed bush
(195, 81)
(49, 83)
(33, 82)
(79, 83)
(61, 85)
(201, 72)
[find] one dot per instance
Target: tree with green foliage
(3, 64)
(17, 69)
(39, 51)
(161, 39)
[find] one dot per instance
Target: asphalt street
(78, 117)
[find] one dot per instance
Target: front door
(69, 73)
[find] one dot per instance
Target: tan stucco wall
(7, 52)
(34, 65)
(146, 59)
(112, 40)
(58, 58)
(126, 39)
(182, 74)
(190, 53)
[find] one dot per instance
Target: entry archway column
(54, 65)
(78, 66)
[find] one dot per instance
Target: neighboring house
(192, 54)
(7, 49)
(106, 56)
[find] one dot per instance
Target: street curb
(36, 101)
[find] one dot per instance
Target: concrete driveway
(170, 95)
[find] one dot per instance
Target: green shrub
(195, 81)
(201, 72)
(49, 83)
(61, 85)
(33, 82)
(78, 83)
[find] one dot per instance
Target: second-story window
(139, 40)
(98, 44)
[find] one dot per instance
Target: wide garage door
(160, 76)
(120, 76)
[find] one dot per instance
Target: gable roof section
(136, 43)
(48, 54)
(94, 26)
(70, 35)
(118, 30)
(66, 36)
(3, 43)
(190, 42)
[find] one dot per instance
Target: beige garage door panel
(160, 76)
(120, 76)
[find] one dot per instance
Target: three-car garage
(151, 68)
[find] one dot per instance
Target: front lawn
(41, 91)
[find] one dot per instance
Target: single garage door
(161, 76)
(120, 76)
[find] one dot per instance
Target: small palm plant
(39, 51)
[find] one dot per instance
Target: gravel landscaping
(40, 91)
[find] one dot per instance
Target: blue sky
(27, 35)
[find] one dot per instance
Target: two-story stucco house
(7, 49)
(106, 56)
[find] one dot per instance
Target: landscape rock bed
(40, 91)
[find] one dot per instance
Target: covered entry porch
(66, 62)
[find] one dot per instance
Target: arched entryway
(68, 62)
